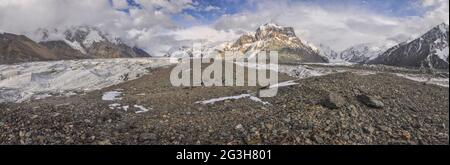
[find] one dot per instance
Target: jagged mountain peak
(327, 52)
(443, 27)
(273, 37)
(437, 32)
(271, 30)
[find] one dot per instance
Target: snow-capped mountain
(362, 53)
(272, 37)
(327, 52)
(208, 49)
(428, 51)
(89, 41)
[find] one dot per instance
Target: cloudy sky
(158, 25)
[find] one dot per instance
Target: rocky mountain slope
(428, 51)
(272, 37)
(19, 48)
(63, 50)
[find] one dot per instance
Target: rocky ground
(341, 108)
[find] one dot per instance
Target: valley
(315, 104)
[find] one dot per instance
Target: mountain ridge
(430, 50)
(273, 37)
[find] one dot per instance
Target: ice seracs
(21, 82)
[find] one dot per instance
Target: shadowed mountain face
(63, 50)
(19, 48)
(428, 51)
(272, 37)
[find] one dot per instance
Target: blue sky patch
(207, 11)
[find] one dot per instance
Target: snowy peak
(78, 37)
(271, 30)
(443, 28)
(85, 34)
(437, 35)
(327, 52)
(362, 53)
(273, 37)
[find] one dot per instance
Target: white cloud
(26, 16)
(204, 33)
(211, 8)
(440, 10)
(172, 6)
(338, 27)
(120, 4)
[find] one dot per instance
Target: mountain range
(78, 42)
(86, 42)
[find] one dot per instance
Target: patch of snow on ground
(138, 108)
(20, 82)
(444, 82)
(214, 100)
(334, 62)
(125, 108)
(113, 106)
(141, 108)
(256, 99)
(42, 96)
(111, 96)
(282, 84)
(302, 71)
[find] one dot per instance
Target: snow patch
(283, 84)
(443, 54)
(125, 108)
(91, 38)
(214, 100)
(75, 45)
(138, 108)
(444, 82)
(111, 96)
(141, 109)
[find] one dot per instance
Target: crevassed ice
(23, 81)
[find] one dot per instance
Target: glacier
(36, 80)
